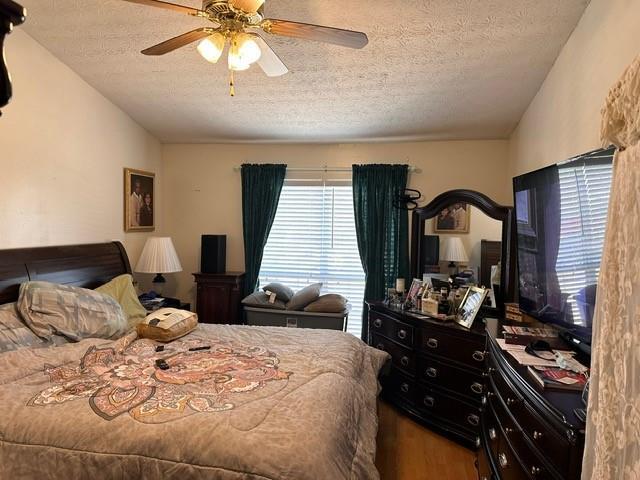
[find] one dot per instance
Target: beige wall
(564, 118)
(63, 147)
(203, 192)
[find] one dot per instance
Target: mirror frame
(490, 208)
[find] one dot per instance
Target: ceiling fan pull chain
(232, 90)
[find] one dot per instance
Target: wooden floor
(408, 451)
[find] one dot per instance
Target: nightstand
(218, 297)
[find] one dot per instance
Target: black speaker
(213, 254)
(430, 250)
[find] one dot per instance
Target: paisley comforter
(259, 403)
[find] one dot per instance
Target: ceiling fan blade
(179, 41)
(170, 6)
(269, 61)
(307, 31)
(250, 6)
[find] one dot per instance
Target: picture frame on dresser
(470, 306)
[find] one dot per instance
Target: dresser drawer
(491, 428)
(542, 436)
(457, 412)
(463, 382)
(483, 465)
(504, 389)
(391, 328)
(401, 357)
(555, 448)
(399, 386)
(437, 342)
(509, 468)
(529, 461)
(506, 423)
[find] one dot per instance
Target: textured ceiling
(433, 69)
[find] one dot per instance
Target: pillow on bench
(282, 292)
(261, 300)
(304, 297)
(329, 303)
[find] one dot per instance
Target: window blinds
(313, 239)
(584, 191)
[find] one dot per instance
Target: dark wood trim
(85, 266)
(492, 209)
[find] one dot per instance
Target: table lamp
(454, 252)
(158, 256)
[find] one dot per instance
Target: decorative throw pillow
(282, 292)
(304, 297)
(50, 309)
(166, 324)
(261, 300)
(121, 289)
(329, 303)
(14, 334)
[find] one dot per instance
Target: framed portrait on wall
(453, 219)
(139, 201)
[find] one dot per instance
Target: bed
(261, 403)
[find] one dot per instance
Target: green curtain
(261, 187)
(382, 229)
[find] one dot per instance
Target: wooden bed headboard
(85, 266)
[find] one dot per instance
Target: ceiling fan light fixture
(211, 47)
(244, 49)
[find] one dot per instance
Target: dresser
(218, 297)
(437, 370)
(527, 432)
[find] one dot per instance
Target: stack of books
(526, 335)
(554, 378)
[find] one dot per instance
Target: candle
(400, 285)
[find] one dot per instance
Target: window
(313, 239)
(584, 191)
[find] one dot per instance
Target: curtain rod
(325, 168)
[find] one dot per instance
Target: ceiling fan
(238, 23)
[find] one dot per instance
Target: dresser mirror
(465, 231)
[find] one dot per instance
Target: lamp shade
(158, 256)
(454, 250)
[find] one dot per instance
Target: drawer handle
(431, 372)
(432, 343)
(502, 459)
(402, 334)
(508, 431)
(429, 401)
(473, 420)
(492, 433)
(404, 387)
(477, 445)
(377, 323)
(535, 471)
(380, 346)
(511, 401)
(478, 356)
(404, 361)
(477, 388)
(537, 435)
